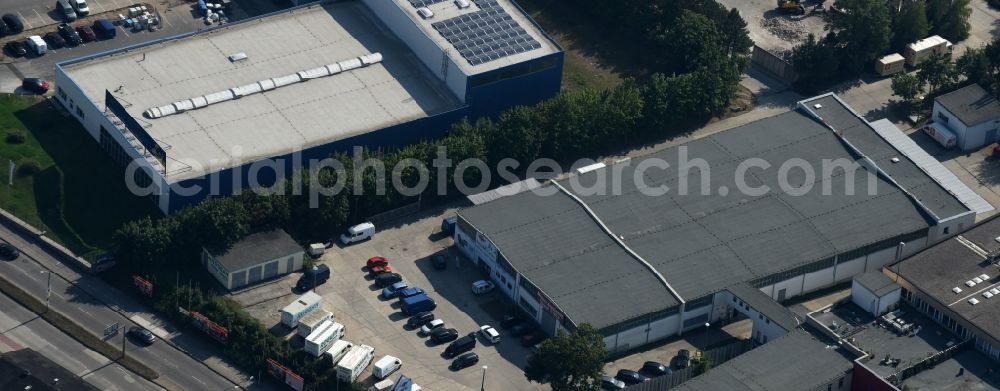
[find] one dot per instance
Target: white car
(482, 287)
(490, 334)
(436, 323)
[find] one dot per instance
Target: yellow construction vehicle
(791, 6)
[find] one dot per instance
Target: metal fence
(910, 370)
(393, 214)
(716, 356)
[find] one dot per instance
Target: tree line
(939, 74)
(709, 50)
(861, 31)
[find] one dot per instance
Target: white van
(80, 6)
(385, 366)
(66, 10)
(338, 350)
(357, 233)
(37, 45)
(325, 335)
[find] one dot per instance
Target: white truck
(302, 306)
(310, 322)
(320, 340)
(337, 351)
(355, 362)
(917, 52)
(941, 134)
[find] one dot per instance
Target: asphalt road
(177, 370)
(21, 328)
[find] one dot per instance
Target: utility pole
(177, 291)
(482, 385)
(123, 343)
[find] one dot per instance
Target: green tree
(906, 86)
(909, 24)
(693, 41)
(815, 63)
(937, 71)
(863, 29)
(569, 362)
(982, 65)
(949, 18)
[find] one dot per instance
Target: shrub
(15, 137)
(28, 167)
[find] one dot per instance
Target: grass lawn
(78, 194)
(593, 58)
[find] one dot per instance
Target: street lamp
(482, 386)
(706, 334)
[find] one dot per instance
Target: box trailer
(311, 322)
(941, 134)
(337, 351)
(917, 52)
(302, 306)
(320, 340)
(354, 363)
(890, 64)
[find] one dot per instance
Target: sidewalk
(184, 361)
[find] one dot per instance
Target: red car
(35, 85)
(377, 261)
(379, 269)
(86, 33)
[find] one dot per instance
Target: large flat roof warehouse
(388, 87)
(697, 244)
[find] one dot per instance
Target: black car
(8, 251)
(654, 369)
(70, 34)
(464, 361)
(55, 40)
(630, 377)
(35, 85)
(440, 262)
(13, 23)
(522, 329)
(142, 335)
(510, 320)
(385, 279)
(419, 319)
(3, 28)
(681, 360)
(461, 345)
(610, 383)
(442, 335)
(15, 49)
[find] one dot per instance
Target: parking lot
(354, 300)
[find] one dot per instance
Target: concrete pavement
(21, 328)
(184, 361)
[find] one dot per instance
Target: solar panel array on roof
(486, 35)
(424, 3)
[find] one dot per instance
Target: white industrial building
(972, 113)
(203, 113)
(644, 268)
(255, 258)
(874, 292)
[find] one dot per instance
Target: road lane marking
(30, 26)
(116, 4)
(199, 380)
(166, 19)
(39, 15)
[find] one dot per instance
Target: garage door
(271, 270)
(239, 279)
(254, 275)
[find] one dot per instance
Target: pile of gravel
(785, 28)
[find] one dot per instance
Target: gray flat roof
(276, 122)
(979, 374)
(257, 248)
(856, 130)
(764, 304)
(971, 104)
(876, 282)
(931, 339)
(445, 10)
(796, 361)
(701, 244)
(949, 264)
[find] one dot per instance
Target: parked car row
(11, 24)
(649, 370)
(65, 35)
(71, 9)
